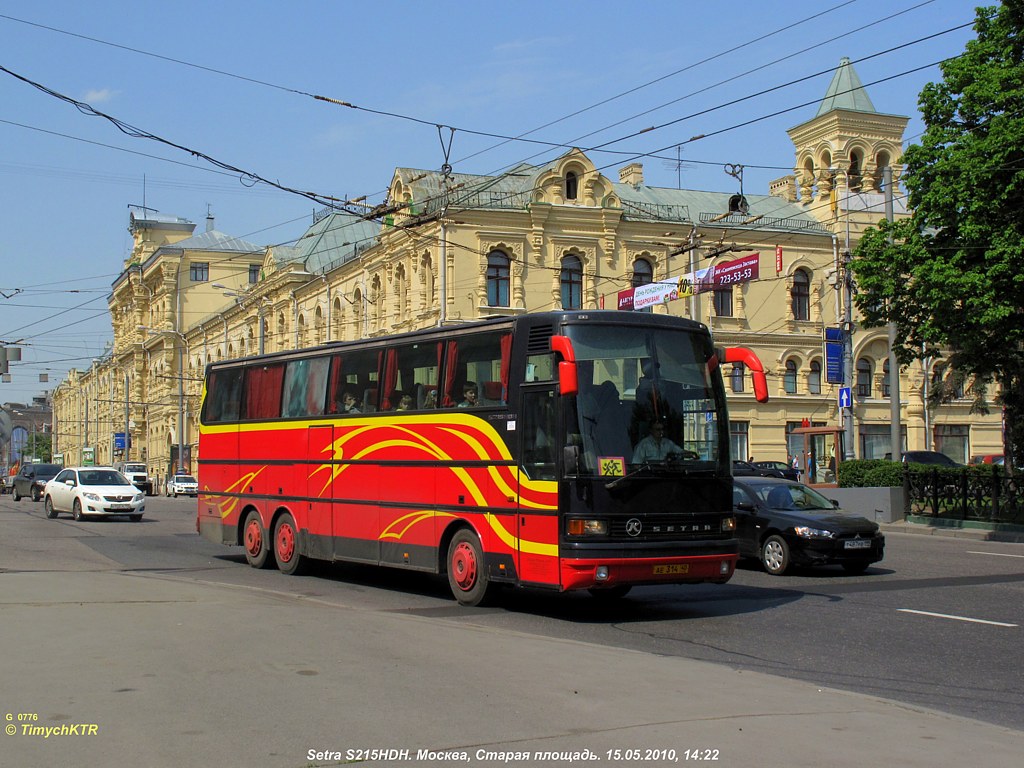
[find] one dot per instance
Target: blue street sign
(845, 397)
(834, 356)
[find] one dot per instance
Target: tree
(951, 275)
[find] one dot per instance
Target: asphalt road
(937, 624)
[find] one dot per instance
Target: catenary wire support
(446, 168)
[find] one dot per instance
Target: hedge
(882, 473)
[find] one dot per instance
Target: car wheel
(36, 495)
(17, 496)
(48, 506)
(856, 566)
(254, 539)
(286, 546)
(617, 592)
(467, 573)
(775, 555)
(77, 511)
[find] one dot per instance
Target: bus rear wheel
(254, 539)
(286, 545)
(467, 573)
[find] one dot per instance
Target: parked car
(184, 485)
(31, 478)
(783, 523)
(989, 458)
(779, 469)
(746, 469)
(93, 491)
(929, 457)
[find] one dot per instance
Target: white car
(91, 492)
(184, 485)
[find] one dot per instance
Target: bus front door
(537, 520)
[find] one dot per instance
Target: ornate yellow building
(447, 248)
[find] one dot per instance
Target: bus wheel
(617, 592)
(254, 539)
(467, 574)
(286, 545)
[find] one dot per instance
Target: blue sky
(572, 73)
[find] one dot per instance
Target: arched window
(801, 295)
(497, 279)
(789, 380)
(572, 283)
(571, 186)
(736, 377)
(814, 378)
(863, 378)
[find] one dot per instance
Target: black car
(746, 469)
(31, 478)
(778, 469)
(782, 523)
(929, 457)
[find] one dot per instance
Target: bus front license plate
(662, 570)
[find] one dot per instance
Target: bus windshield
(647, 397)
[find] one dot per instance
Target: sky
(518, 82)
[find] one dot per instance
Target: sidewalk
(925, 527)
(178, 672)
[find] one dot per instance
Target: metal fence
(964, 494)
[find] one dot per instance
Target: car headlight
(92, 496)
(137, 498)
(807, 532)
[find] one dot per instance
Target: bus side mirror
(568, 379)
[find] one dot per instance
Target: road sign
(834, 356)
(845, 397)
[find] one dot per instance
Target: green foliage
(870, 473)
(952, 275)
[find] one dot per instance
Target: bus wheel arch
(254, 538)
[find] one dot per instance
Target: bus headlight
(728, 524)
(580, 527)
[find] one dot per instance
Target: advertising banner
(718, 276)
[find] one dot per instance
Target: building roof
(845, 92)
(334, 239)
(213, 240)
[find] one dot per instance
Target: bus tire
(286, 546)
(254, 540)
(467, 573)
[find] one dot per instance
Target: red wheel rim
(464, 566)
(285, 542)
(253, 538)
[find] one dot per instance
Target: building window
(739, 439)
(952, 440)
(814, 378)
(876, 441)
(801, 295)
(885, 380)
(723, 301)
(736, 378)
(497, 279)
(199, 271)
(863, 378)
(572, 283)
(789, 380)
(643, 274)
(571, 186)
(254, 273)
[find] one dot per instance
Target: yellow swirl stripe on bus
(408, 521)
(508, 539)
(228, 505)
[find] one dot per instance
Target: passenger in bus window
(469, 396)
(430, 401)
(404, 403)
(349, 403)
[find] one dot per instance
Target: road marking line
(956, 618)
(993, 554)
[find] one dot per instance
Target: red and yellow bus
(518, 451)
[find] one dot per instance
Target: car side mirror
(746, 506)
(835, 503)
(69, 483)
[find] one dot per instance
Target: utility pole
(848, 435)
(895, 430)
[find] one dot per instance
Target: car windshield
(791, 496)
(102, 477)
(184, 479)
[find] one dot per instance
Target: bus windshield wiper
(613, 484)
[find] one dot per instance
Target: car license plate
(858, 544)
(120, 507)
(661, 570)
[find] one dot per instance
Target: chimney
(209, 219)
(632, 174)
(784, 187)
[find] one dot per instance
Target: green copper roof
(845, 92)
